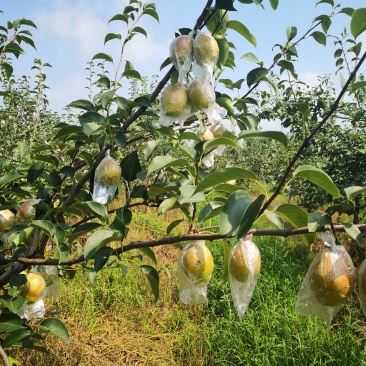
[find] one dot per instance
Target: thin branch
(312, 134)
(186, 237)
(4, 357)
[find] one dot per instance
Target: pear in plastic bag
(244, 267)
(106, 179)
(181, 55)
(329, 281)
(195, 267)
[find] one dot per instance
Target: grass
(116, 322)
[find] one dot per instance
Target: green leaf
(55, 327)
(302, 107)
(165, 63)
(223, 52)
(10, 177)
(132, 74)
(275, 219)
(104, 82)
(122, 17)
(252, 58)
(242, 30)
(255, 75)
(355, 86)
(107, 97)
(96, 208)
(89, 117)
(35, 171)
(10, 322)
(140, 30)
(358, 22)
(224, 175)
(297, 217)
(210, 144)
(188, 195)
(153, 276)
(226, 103)
(23, 149)
(211, 210)
(354, 233)
(354, 191)
(317, 221)
(167, 204)
(101, 258)
(151, 12)
(15, 337)
(274, 135)
(91, 274)
(98, 240)
(249, 216)
(173, 225)
(232, 212)
(111, 36)
(160, 162)
(150, 254)
(15, 305)
(103, 56)
(320, 37)
(291, 33)
(224, 4)
(45, 226)
(274, 4)
(318, 177)
(130, 166)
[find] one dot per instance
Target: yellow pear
(174, 100)
(35, 287)
(208, 135)
(242, 260)
(331, 278)
(180, 49)
(201, 94)
(109, 172)
(7, 219)
(218, 130)
(205, 49)
(198, 262)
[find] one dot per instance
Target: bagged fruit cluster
(215, 131)
(34, 292)
(190, 95)
(106, 179)
(244, 267)
(329, 281)
(195, 267)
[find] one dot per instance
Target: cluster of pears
(183, 98)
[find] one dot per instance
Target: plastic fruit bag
(244, 266)
(50, 275)
(329, 281)
(174, 104)
(205, 54)
(34, 292)
(106, 179)
(362, 285)
(181, 54)
(195, 267)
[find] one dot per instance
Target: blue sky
(70, 32)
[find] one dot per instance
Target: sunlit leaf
(55, 327)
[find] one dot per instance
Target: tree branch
(312, 134)
(186, 237)
(4, 357)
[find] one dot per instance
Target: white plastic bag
(181, 54)
(244, 267)
(329, 281)
(106, 179)
(34, 310)
(195, 266)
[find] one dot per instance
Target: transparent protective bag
(106, 179)
(50, 275)
(205, 54)
(244, 267)
(329, 281)
(195, 266)
(181, 54)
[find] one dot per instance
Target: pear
(7, 219)
(174, 100)
(201, 94)
(205, 49)
(35, 287)
(180, 50)
(109, 172)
